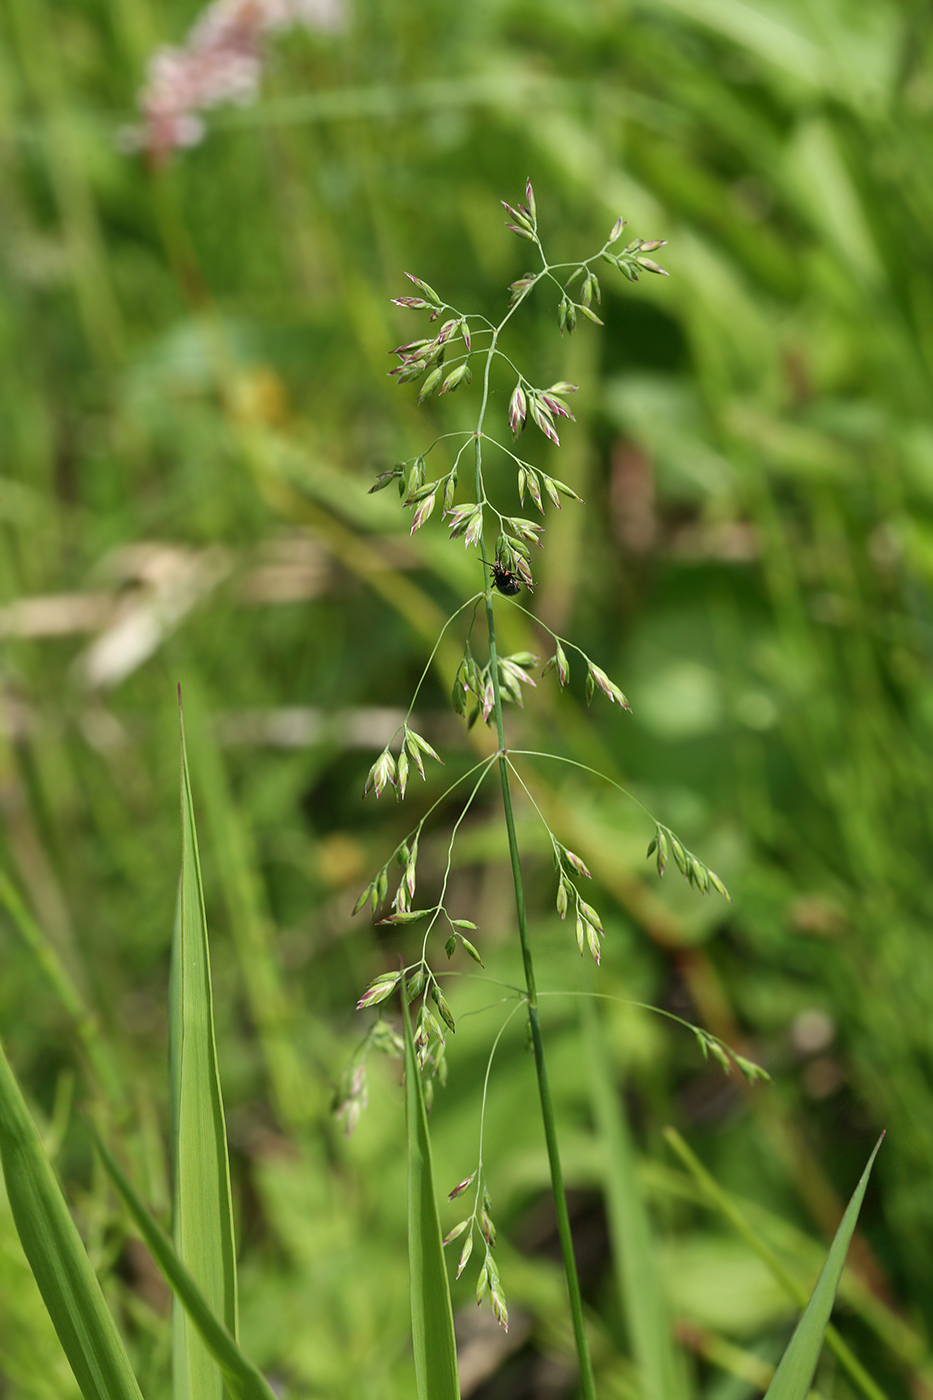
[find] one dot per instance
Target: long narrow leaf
(432, 1322)
(203, 1213)
(634, 1251)
(57, 1257)
(271, 1009)
(794, 1375)
(81, 1015)
(243, 1379)
(722, 1202)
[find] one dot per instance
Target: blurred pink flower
(220, 62)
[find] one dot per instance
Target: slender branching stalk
(483, 689)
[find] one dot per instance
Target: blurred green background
(194, 401)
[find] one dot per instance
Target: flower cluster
(352, 1094)
(488, 1274)
(473, 679)
(596, 678)
(589, 926)
(221, 61)
(664, 843)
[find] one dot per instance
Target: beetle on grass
(506, 580)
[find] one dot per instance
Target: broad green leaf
(794, 1375)
(242, 1378)
(57, 1257)
(634, 1251)
(432, 1323)
(203, 1214)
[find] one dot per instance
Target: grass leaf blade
(722, 1202)
(634, 1250)
(794, 1375)
(203, 1213)
(432, 1322)
(242, 1378)
(57, 1257)
(269, 1001)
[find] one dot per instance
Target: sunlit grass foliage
(195, 399)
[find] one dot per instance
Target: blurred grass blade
(432, 1323)
(202, 1207)
(634, 1251)
(236, 860)
(83, 1019)
(718, 1198)
(242, 1378)
(57, 1257)
(794, 1375)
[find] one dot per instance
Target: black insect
(506, 580)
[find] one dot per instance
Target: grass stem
(534, 1020)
